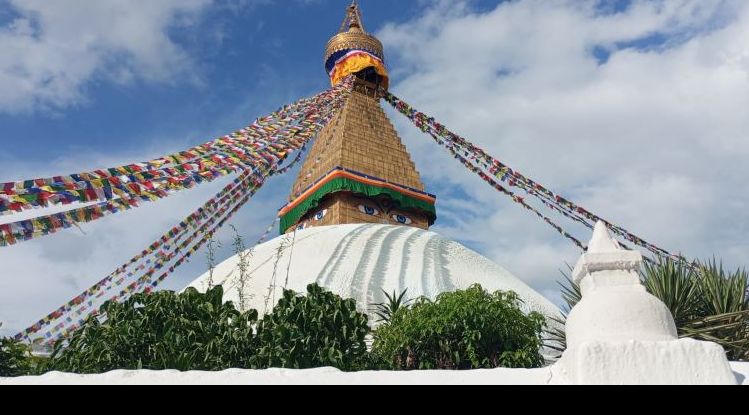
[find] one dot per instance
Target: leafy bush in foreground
(164, 330)
(317, 330)
(195, 331)
(14, 359)
(469, 329)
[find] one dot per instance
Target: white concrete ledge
(324, 376)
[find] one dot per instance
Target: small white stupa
(620, 334)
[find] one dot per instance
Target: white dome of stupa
(360, 261)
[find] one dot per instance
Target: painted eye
(368, 210)
(321, 214)
(403, 220)
(301, 227)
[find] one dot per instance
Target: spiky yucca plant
(385, 311)
(677, 285)
(554, 335)
(722, 312)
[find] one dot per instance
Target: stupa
(358, 217)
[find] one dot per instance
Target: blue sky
(248, 60)
(612, 103)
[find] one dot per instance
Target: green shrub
(194, 331)
(14, 359)
(318, 330)
(188, 331)
(469, 329)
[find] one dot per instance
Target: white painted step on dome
(360, 261)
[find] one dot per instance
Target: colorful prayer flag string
(478, 158)
(295, 137)
(121, 196)
(106, 184)
(173, 237)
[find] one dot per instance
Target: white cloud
(51, 50)
(654, 138)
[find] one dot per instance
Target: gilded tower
(358, 170)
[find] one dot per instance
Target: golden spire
(353, 19)
(358, 170)
(352, 35)
(354, 51)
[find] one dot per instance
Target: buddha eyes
(403, 220)
(400, 219)
(318, 217)
(368, 210)
(321, 214)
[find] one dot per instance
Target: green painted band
(343, 184)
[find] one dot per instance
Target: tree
(164, 330)
(15, 359)
(317, 330)
(469, 329)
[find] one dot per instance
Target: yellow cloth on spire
(355, 63)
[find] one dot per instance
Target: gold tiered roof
(360, 138)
